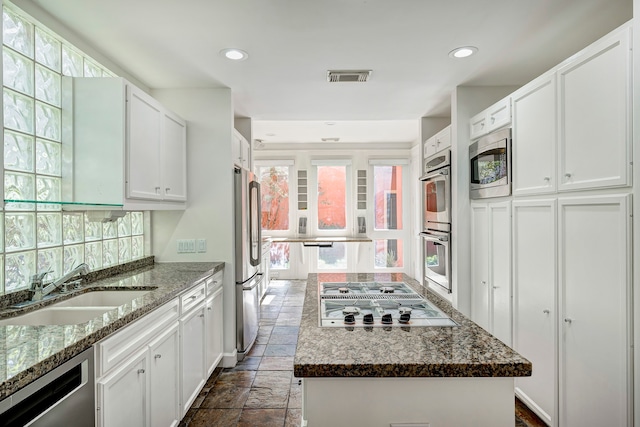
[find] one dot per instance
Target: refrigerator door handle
(255, 249)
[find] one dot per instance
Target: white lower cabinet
(214, 325)
(164, 378)
(192, 346)
(581, 355)
(122, 395)
(491, 267)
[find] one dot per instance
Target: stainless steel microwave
(490, 162)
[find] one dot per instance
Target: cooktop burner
(375, 304)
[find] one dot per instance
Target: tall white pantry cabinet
(571, 236)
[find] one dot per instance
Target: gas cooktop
(377, 304)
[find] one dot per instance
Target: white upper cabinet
(437, 142)
(241, 151)
(595, 115)
(127, 149)
(534, 137)
(492, 118)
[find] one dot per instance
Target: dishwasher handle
(251, 284)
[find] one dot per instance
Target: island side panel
(433, 402)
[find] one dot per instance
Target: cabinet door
(535, 313)
(121, 395)
(477, 125)
(192, 345)
(174, 158)
(144, 128)
(443, 139)
(214, 330)
(245, 148)
(595, 293)
(164, 380)
(499, 114)
(429, 147)
(479, 265)
(595, 136)
(534, 137)
(500, 270)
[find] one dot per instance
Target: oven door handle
(443, 172)
(433, 238)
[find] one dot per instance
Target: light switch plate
(202, 245)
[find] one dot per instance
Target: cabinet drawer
(213, 283)
(192, 297)
(113, 350)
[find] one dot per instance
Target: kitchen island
(430, 376)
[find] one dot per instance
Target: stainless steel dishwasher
(62, 397)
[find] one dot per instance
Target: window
(274, 187)
(332, 197)
(388, 212)
(276, 207)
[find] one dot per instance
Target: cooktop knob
(349, 319)
(387, 319)
(368, 319)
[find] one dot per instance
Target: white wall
(209, 213)
(466, 102)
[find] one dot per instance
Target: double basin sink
(77, 309)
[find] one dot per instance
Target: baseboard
(533, 406)
(229, 360)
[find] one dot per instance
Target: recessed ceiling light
(234, 54)
(463, 52)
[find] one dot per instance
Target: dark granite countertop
(463, 351)
(28, 352)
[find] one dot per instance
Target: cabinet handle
(545, 311)
(495, 287)
(166, 190)
(193, 296)
(209, 308)
(141, 371)
(568, 320)
(482, 125)
(157, 356)
(200, 315)
(567, 175)
(493, 120)
(547, 178)
(483, 282)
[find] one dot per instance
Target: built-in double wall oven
(436, 213)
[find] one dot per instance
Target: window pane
(71, 62)
(17, 72)
(333, 258)
(48, 85)
(274, 187)
(47, 50)
(332, 188)
(17, 33)
(18, 112)
(18, 151)
(388, 253)
(279, 254)
(387, 187)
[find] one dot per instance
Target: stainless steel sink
(76, 310)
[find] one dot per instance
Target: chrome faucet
(40, 292)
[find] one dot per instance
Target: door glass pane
(279, 254)
(332, 186)
(274, 188)
(333, 258)
(388, 253)
(387, 188)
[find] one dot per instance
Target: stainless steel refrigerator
(248, 245)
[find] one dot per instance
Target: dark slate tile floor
(261, 390)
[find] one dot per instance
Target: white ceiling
(282, 86)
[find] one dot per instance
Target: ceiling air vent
(335, 76)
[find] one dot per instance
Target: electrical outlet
(202, 245)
